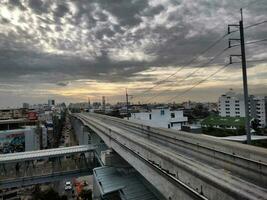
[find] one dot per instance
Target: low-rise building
(161, 117)
(13, 113)
(19, 140)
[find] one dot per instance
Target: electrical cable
(192, 73)
(199, 82)
(185, 65)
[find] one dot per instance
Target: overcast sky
(74, 49)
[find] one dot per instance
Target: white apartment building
(161, 117)
(232, 105)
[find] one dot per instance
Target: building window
(227, 105)
(237, 108)
(162, 112)
(227, 108)
(150, 116)
(169, 126)
(237, 105)
(226, 101)
(172, 115)
(237, 101)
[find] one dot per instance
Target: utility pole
(127, 104)
(244, 72)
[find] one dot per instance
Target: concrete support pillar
(111, 158)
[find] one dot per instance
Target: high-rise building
(232, 105)
(51, 102)
(25, 105)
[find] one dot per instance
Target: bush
(86, 194)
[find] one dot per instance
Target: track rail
(193, 193)
(148, 133)
(245, 168)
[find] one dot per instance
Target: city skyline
(73, 50)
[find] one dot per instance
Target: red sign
(32, 115)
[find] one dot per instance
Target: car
(68, 186)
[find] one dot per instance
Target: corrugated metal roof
(128, 184)
(39, 154)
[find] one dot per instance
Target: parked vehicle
(68, 186)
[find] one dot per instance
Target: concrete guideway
(46, 166)
(175, 154)
(40, 179)
(41, 154)
(246, 162)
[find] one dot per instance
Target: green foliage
(44, 195)
(224, 121)
(219, 132)
(86, 194)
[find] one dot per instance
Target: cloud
(63, 84)
(58, 42)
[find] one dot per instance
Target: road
(68, 139)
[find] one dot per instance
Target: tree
(50, 194)
(255, 124)
(86, 194)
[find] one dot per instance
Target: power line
(256, 24)
(250, 26)
(256, 41)
(185, 65)
(199, 82)
(192, 73)
(250, 42)
(195, 58)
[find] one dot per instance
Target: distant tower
(103, 103)
(89, 103)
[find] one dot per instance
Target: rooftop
(111, 180)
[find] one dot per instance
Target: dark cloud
(61, 10)
(61, 41)
(39, 6)
(17, 3)
(63, 84)
(4, 20)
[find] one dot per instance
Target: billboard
(12, 142)
(32, 116)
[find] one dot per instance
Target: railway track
(190, 191)
(243, 167)
(195, 154)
